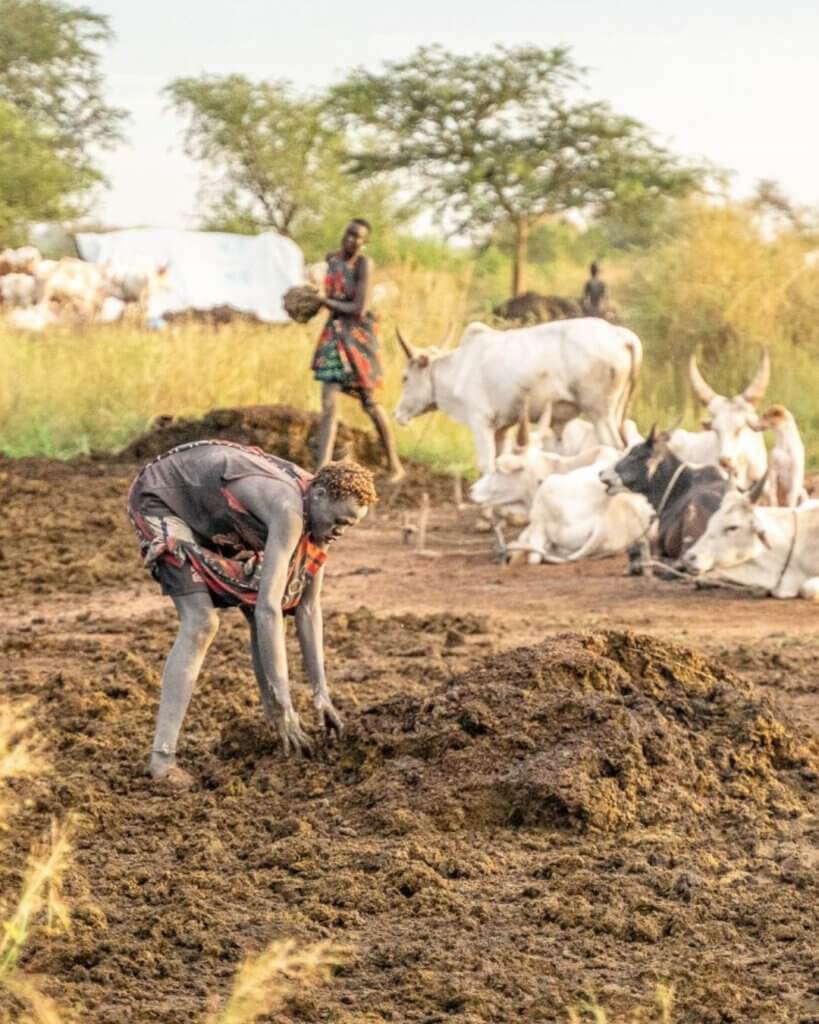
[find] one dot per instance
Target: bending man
(347, 356)
(221, 525)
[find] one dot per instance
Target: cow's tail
(635, 353)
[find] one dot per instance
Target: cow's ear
(422, 361)
(706, 424)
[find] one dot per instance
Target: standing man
(347, 356)
(595, 295)
(219, 525)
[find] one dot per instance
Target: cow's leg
(500, 439)
(639, 558)
(484, 445)
(608, 431)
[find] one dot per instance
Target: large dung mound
(292, 434)
(603, 731)
(280, 429)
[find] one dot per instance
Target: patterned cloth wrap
(348, 349)
(233, 572)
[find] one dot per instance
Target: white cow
(587, 365)
(129, 284)
(573, 517)
(730, 439)
(76, 286)
(786, 461)
(18, 290)
(578, 435)
(510, 486)
(776, 549)
(19, 261)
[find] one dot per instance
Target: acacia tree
(276, 159)
(52, 92)
(499, 139)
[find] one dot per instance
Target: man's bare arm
(280, 509)
(310, 630)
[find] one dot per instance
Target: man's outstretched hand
(293, 737)
(330, 718)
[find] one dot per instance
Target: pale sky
(733, 82)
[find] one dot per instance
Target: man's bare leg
(329, 423)
(198, 625)
(382, 425)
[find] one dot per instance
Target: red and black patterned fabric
(225, 557)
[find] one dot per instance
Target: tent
(206, 269)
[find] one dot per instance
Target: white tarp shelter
(207, 269)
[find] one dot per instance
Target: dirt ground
(542, 795)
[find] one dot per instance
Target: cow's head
(733, 534)
(417, 385)
(731, 419)
(635, 470)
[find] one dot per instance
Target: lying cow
(573, 517)
(773, 548)
(587, 365)
(511, 486)
(730, 439)
(18, 290)
(19, 261)
(683, 497)
(786, 461)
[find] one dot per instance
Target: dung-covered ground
(543, 793)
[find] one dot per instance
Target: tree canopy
(274, 159)
(52, 108)
(500, 138)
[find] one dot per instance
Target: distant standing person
(595, 295)
(347, 356)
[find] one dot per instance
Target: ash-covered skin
(285, 515)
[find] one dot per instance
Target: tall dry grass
(662, 1012)
(714, 285)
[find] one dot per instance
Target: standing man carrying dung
(347, 356)
(220, 524)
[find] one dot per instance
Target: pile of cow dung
(591, 816)
(291, 434)
(280, 429)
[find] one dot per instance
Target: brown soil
(542, 794)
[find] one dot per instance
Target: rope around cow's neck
(671, 485)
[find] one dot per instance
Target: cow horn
(759, 385)
(756, 490)
(450, 334)
(703, 392)
(409, 351)
(652, 434)
(522, 436)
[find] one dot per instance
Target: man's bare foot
(397, 475)
(165, 770)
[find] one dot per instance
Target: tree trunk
(520, 257)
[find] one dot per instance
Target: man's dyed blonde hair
(347, 479)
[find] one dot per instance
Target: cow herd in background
(37, 293)
(585, 484)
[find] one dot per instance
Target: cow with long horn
(776, 549)
(730, 439)
(577, 367)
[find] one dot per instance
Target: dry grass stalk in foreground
(41, 897)
(263, 981)
(660, 1013)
